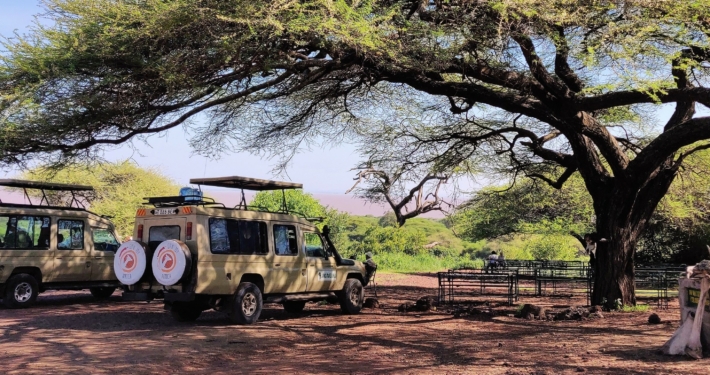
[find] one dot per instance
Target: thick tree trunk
(614, 269)
(622, 215)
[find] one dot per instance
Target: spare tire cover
(129, 262)
(171, 260)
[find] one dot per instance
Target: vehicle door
(321, 266)
(24, 242)
(71, 257)
(288, 271)
(103, 250)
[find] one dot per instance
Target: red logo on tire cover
(167, 260)
(129, 260)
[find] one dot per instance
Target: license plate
(164, 211)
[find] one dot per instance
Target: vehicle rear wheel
(21, 291)
(102, 293)
(247, 304)
(294, 307)
(351, 297)
(185, 311)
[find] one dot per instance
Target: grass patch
(637, 308)
(404, 263)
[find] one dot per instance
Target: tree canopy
(119, 188)
(537, 88)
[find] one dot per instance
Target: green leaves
(119, 188)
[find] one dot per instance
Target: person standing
(492, 260)
(501, 260)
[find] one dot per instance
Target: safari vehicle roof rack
(42, 186)
(195, 197)
(248, 183)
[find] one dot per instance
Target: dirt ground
(68, 332)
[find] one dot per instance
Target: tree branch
(562, 68)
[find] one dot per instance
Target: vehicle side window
(237, 236)
(24, 232)
(285, 242)
(252, 237)
(313, 245)
(70, 234)
(104, 240)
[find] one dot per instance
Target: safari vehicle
(197, 254)
(45, 247)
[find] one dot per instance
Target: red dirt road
(68, 332)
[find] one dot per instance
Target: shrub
(551, 247)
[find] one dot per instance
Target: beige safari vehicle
(197, 254)
(46, 247)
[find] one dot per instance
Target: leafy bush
(551, 247)
(379, 240)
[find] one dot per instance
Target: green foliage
(380, 240)
(297, 201)
(552, 247)
(401, 249)
(528, 207)
(119, 188)
(388, 220)
(337, 221)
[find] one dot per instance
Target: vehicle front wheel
(294, 307)
(351, 297)
(247, 304)
(102, 293)
(21, 291)
(185, 311)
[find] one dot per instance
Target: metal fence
(473, 282)
(550, 278)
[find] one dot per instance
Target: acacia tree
(382, 186)
(272, 75)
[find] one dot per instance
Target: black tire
(294, 307)
(102, 293)
(20, 291)
(352, 296)
(185, 311)
(247, 304)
